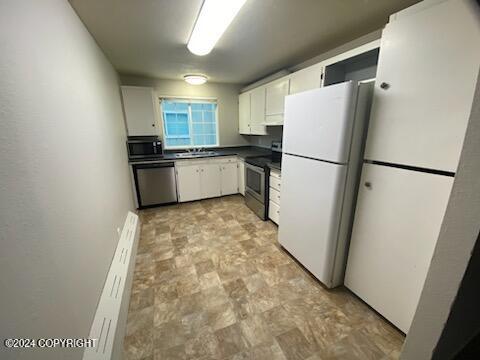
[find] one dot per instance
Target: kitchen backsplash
(275, 133)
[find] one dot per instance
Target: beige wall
(226, 95)
(64, 180)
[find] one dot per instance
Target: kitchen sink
(196, 154)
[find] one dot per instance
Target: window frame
(189, 100)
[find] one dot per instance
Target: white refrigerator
(323, 137)
(414, 143)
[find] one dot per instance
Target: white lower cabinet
(210, 180)
(275, 182)
(206, 178)
(274, 195)
(229, 178)
(241, 177)
(274, 212)
(188, 182)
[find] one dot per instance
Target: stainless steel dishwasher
(155, 184)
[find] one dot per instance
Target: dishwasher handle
(155, 165)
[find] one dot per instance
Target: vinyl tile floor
(212, 282)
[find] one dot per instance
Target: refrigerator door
(318, 123)
(397, 222)
(420, 113)
(312, 195)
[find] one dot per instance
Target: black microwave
(146, 147)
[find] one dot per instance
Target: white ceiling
(148, 37)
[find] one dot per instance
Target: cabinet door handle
(384, 85)
(368, 184)
(153, 125)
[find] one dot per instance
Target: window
(189, 123)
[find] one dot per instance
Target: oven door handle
(254, 168)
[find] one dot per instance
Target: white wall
(226, 95)
(64, 182)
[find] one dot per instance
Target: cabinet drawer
(275, 196)
(275, 173)
(274, 212)
(275, 182)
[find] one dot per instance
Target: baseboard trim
(110, 319)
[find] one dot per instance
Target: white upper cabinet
(257, 111)
(140, 111)
(229, 178)
(264, 106)
(244, 113)
(306, 79)
(425, 86)
(275, 93)
(251, 112)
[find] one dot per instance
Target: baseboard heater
(111, 316)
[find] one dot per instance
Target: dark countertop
(240, 151)
(275, 165)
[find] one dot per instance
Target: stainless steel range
(257, 174)
(255, 188)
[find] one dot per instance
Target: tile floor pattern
(211, 282)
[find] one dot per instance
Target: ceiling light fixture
(213, 20)
(195, 79)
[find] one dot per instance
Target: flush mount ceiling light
(213, 20)
(195, 79)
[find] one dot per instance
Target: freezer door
(397, 222)
(426, 79)
(318, 123)
(312, 194)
